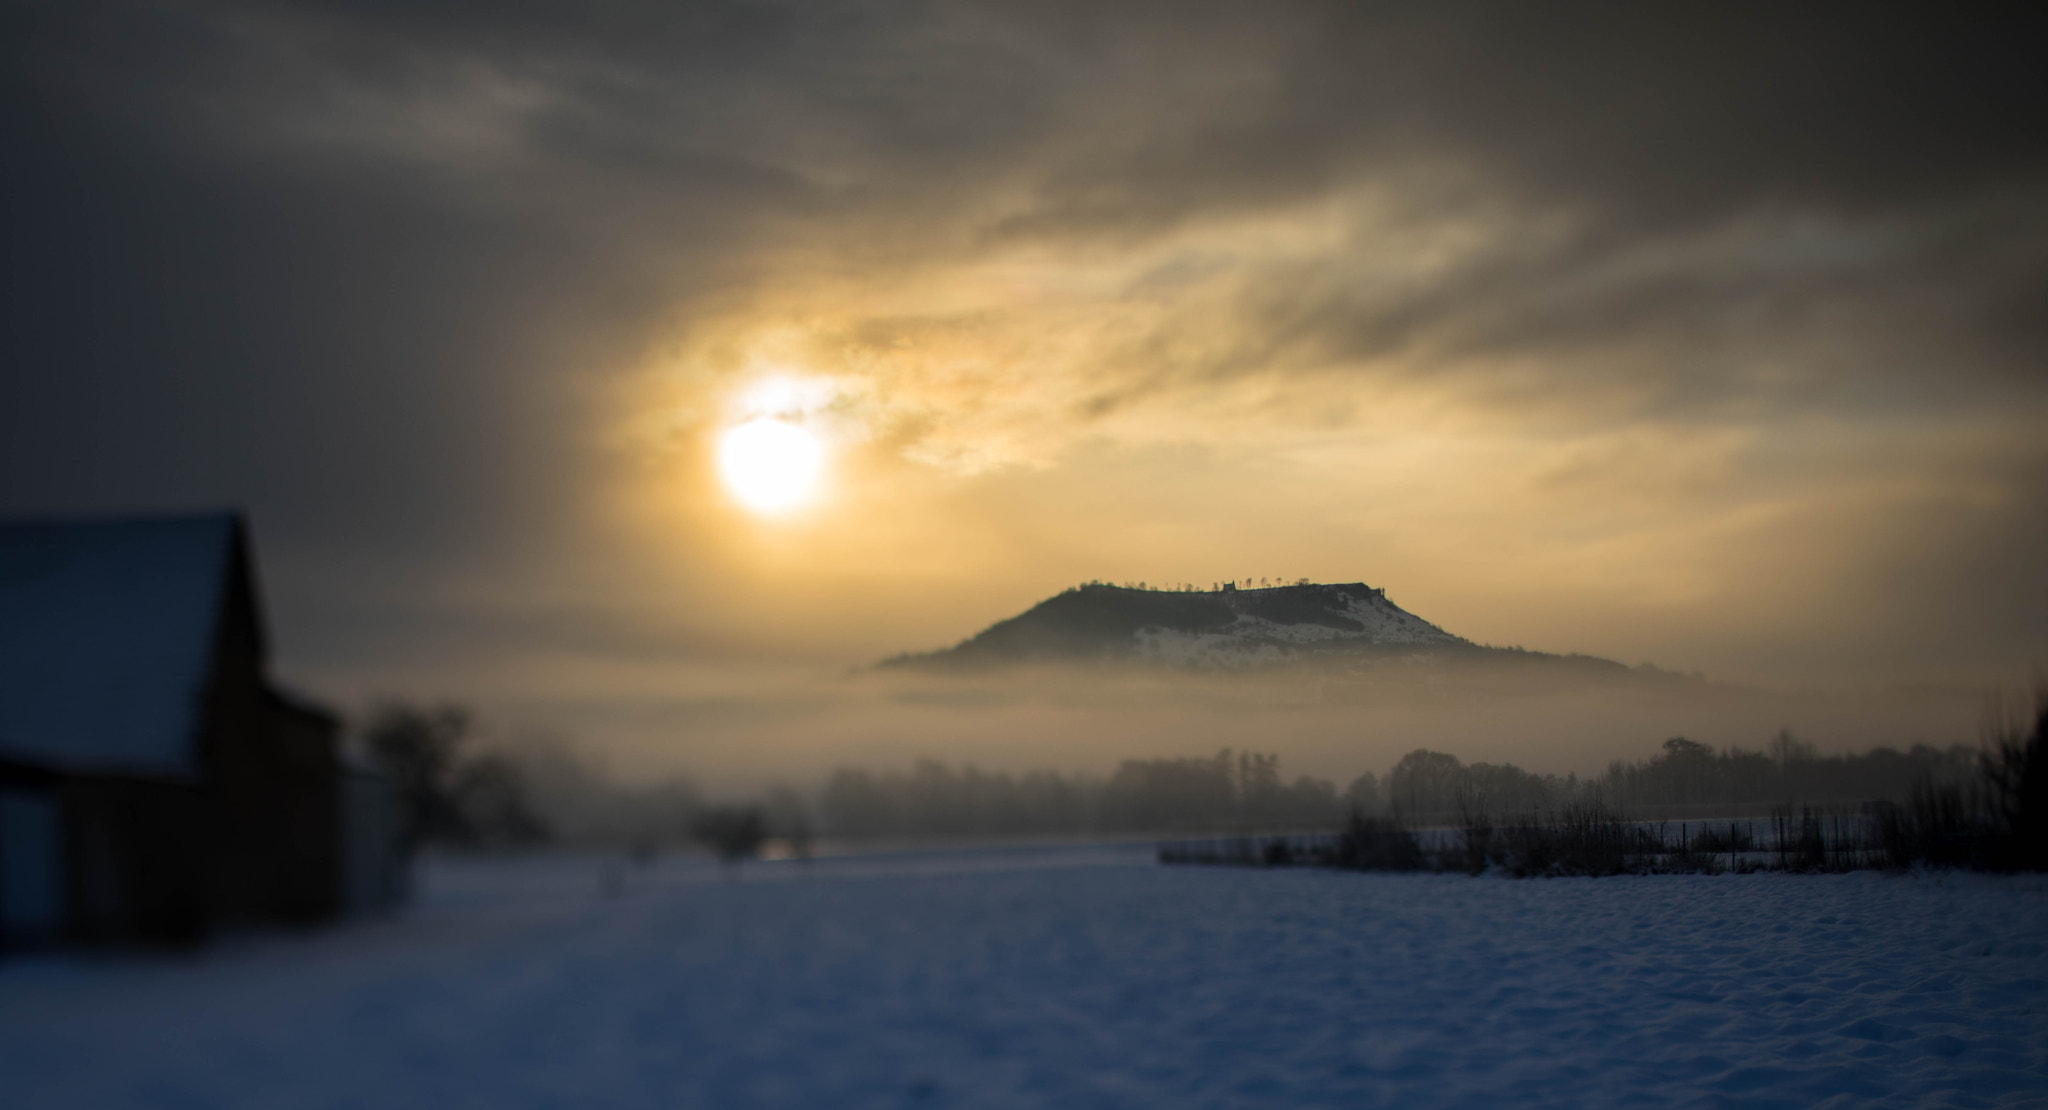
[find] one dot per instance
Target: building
(154, 783)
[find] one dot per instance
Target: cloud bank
(1707, 336)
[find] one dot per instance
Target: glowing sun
(771, 465)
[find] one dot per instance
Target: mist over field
(1075, 719)
(1336, 678)
(1333, 726)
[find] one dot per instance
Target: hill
(1220, 629)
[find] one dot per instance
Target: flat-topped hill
(1229, 627)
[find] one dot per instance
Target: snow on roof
(106, 638)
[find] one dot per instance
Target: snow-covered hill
(1216, 628)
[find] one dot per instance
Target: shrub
(1802, 846)
(732, 832)
(1596, 840)
(1475, 837)
(1531, 845)
(1377, 844)
(1726, 838)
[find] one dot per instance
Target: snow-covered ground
(1075, 978)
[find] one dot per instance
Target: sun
(770, 465)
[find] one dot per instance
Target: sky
(1713, 336)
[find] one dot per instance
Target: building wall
(306, 796)
(138, 860)
(34, 902)
(239, 767)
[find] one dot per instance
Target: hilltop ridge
(1228, 627)
(1237, 628)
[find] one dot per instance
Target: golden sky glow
(634, 373)
(770, 465)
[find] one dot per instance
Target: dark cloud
(360, 266)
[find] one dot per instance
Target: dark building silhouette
(154, 784)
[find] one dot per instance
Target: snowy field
(1071, 978)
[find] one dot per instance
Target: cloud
(1582, 322)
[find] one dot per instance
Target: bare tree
(418, 748)
(443, 794)
(733, 833)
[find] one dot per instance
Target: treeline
(447, 793)
(933, 800)
(452, 793)
(1984, 810)
(1685, 777)
(1246, 790)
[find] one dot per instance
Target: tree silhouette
(733, 833)
(417, 748)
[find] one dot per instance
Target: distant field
(1071, 977)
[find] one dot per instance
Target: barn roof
(107, 631)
